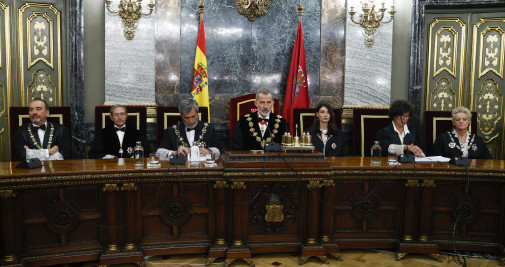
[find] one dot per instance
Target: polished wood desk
(97, 210)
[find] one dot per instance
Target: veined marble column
(368, 69)
(129, 64)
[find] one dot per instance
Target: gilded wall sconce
(370, 19)
(130, 12)
(252, 8)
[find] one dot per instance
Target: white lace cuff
(396, 150)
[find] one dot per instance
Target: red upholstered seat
(437, 122)
(169, 115)
(242, 105)
(19, 116)
(137, 117)
(304, 118)
(365, 124)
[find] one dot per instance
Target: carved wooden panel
(40, 52)
(370, 208)
(445, 62)
(487, 85)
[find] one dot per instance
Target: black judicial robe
(387, 136)
(242, 137)
(61, 138)
(171, 141)
(477, 149)
(107, 142)
(334, 144)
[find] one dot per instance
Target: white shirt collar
(401, 135)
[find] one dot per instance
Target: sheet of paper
(432, 159)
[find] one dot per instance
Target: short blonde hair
(462, 109)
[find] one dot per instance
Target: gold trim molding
(5, 194)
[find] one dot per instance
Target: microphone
(408, 157)
(177, 159)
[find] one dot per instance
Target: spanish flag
(200, 87)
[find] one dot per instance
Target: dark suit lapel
(396, 138)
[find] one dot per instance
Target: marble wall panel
(333, 16)
(243, 56)
(129, 64)
(367, 69)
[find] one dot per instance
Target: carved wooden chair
(304, 117)
(169, 115)
(137, 117)
(366, 122)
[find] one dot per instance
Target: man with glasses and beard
(180, 137)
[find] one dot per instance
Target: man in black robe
(117, 140)
(41, 139)
(180, 137)
(256, 129)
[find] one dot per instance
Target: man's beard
(191, 126)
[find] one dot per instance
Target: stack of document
(432, 159)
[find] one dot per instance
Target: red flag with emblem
(297, 90)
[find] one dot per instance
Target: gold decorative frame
(21, 11)
(301, 119)
(362, 118)
(29, 44)
(461, 62)
(502, 51)
(437, 71)
(169, 114)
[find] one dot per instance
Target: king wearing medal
(256, 129)
(41, 139)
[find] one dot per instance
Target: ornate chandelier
(130, 11)
(370, 19)
(252, 8)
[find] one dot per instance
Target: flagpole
(200, 6)
(300, 10)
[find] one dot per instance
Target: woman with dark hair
(460, 142)
(326, 136)
(398, 137)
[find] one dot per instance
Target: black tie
(120, 129)
(42, 127)
(262, 119)
(189, 129)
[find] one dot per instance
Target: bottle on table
(376, 153)
(138, 155)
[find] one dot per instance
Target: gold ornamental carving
(40, 39)
(428, 184)
(110, 188)
(443, 96)
(446, 51)
(252, 8)
(328, 183)
(492, 42)
(274, 213)
(5, 194)
(221, 185)
(412, 183)
(238, 186)
(129, 187)
(488, 104)
(130, 12)
(314, 184)
(43, 44)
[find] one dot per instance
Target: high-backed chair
(304, 117)
(19, 116)
(169, 115)
(437, 122)
(365, 124)
(242, 105)
(137, 117)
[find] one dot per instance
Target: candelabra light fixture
(130, 12)
(252, 8)
(370, 19)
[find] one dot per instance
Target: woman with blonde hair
(460, 142)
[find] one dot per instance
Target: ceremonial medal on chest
(452, 145)
(474, 147)
(333, 145)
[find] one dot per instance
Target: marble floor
(351, 258)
